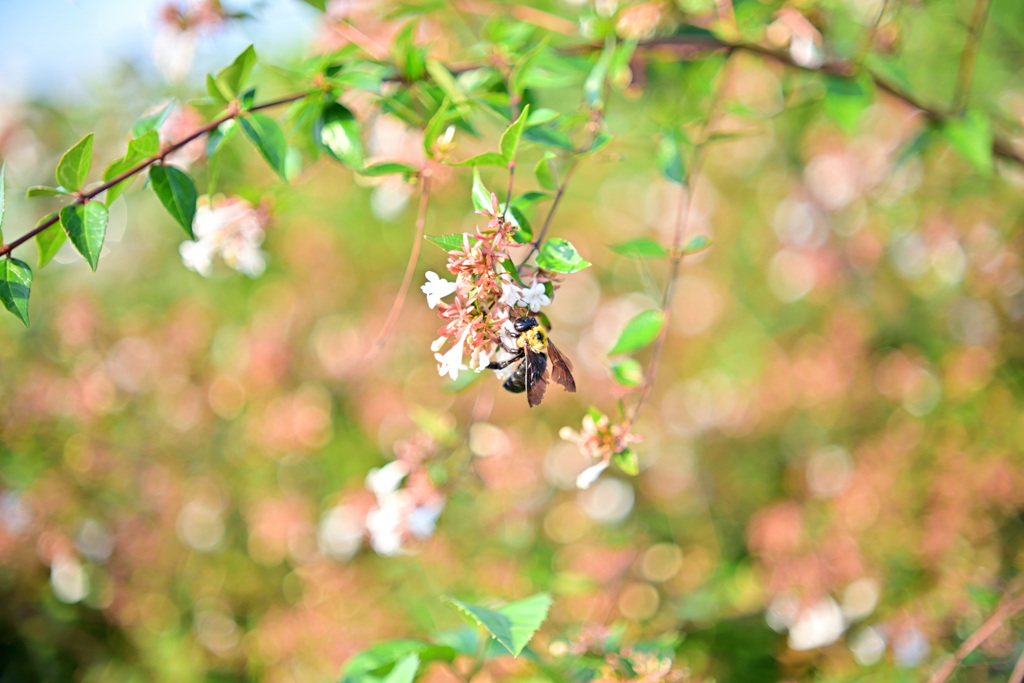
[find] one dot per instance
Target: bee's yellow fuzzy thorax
(536, 338)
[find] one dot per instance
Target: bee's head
(524, 324)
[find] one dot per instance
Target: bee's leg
(502, 364)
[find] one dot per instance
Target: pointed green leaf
(15, 286)
(545, 172)
(521, 69)
(153, 121)
(177, 193)
(480, 194)
(44, 191)
(560, 256)
(627, 372)
(143, 147)
(230, 80)
(643, 247)
(75, 164)
(512, 625)
(446, 242)
(593, 87)
(268, 137)
(546, 135)
(444, 79)
(696, 244)
(542, 115)
(218, 136)
(510, 138)
(670, 158)
(432, 131)
(846, 99)
(404, 670)
(389, 655)
(214, 90)
(49, 241)
(627, 461)
(639, 332)
(86, 226)
(972, 137)
(598, 143)
(341, 135)
(485, 159)
(318, 4)
(387, 168)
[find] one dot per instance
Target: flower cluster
(625, 662)
(485, 294)
(601, 440)
(231, 228)
(403, 512)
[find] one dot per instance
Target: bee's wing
(536, 384)
(561, 368)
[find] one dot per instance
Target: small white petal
(422, 521)
(590, 475)
(385, 480)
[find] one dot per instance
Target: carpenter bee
(529, 344)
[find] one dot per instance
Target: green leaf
(390, 654)
(846, 99)
(86, 226)
(446, 242)
(512, 625)
(972, 137)
(627, 461)
(432, 131)
(177, 193)
(641, 247)
(444, 79)
(218, 136)
(485, 159)
(525, 233)
(142, 147)
(15, 286)
(153, 121)
(510, 138)
(214, 90)
(521, 69)
(319, 4)
(480, 194)
(598, 143)
(404, 670)
(545, 172)
(411, 60)
(670, 158)
(696, 244)
(268, 137)
(341, 135)
(639, 332)
(593, 87)
(560, 256)
(542, 115)
(387, 168)
(546, 135)
(627, 372)
(75, 164)
(230, 80)
(49, 242)
(44, 191)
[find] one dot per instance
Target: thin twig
(682, 222)
(535, 245)
(84, 197)
(1004, 612)
(421, 219)
(965, 72)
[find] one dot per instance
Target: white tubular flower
(436, 288)
(510, 294)
(198, 256)
(231, 228)
(590, 475)
(534, 296)
(451, 362)
(384, 524)
(480, 360)
(422, 521)
(384, 481)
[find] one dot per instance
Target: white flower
(480, 360)
(436, 288)
(198, 256)
(422, 521)
(436, 345)
(384, 481)
(534, 296)
(384, 524)
(510, 294)
(818, 625)
(451, 362)
(590, 475)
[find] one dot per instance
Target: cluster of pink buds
(408, 502)
(485, 294)
(599, 439)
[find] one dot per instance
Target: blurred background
(831, 483)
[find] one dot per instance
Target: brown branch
(1004, 612)
(965, 72)
(82, 198)
(421, 219)
(535, 244)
